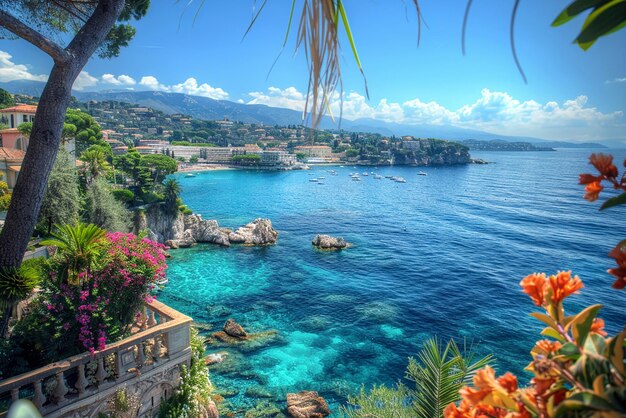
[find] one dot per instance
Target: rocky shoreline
(184, 231)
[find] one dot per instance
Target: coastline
(204, 167)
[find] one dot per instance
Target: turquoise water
(441, 255)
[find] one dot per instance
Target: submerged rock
(257, 232)
(235, 330)
(264, 409)
(258, 392)
(306, 404)
(215, 358)
(327, 242)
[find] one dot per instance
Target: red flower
(548, 346)
(619, 254)
(604, 164)
(593, 190)
(508, 381)
(588, 178)
(534, 285)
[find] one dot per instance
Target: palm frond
(17, 283)
(438, 373)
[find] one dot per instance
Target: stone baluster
(118, 365)
(144, 318)
(81, 382)
(151, 320)
(15, 394)
(101, 372)
(39, 398)
(166, 342)
(141, 357)
(60, 389)
(157, 348)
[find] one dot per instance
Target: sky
(570, 95)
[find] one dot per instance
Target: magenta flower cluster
(104, 306)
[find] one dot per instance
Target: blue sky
(571, 94)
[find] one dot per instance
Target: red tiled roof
(20, 109)
(11, 154)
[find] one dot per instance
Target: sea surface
(440, 255)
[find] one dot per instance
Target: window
(12, 121)
(25, 118)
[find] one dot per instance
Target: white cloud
(494, 111)
(123, 79)
(189, 86)
(84, 80)
(10, 71)
(616, 80)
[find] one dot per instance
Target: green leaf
(595, 344)
(570, 351)
(615, 352)
(545, 319)
(582, 323)
(614, 201)
(575, 9)
(551, 332)
(582, 401)
(602, 21)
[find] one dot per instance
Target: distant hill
(210, 109)
(499, 145)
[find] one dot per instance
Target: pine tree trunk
(45, 137)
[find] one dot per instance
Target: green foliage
(123, 195)
(380, 402)
(95, 163)
(85, 131)
(172, 193)
(79, 246)
(133, 165)
(17, 284)
(192, 397)
(103, 209)
(61, 202)
(160, 165)
(5, 195)
(25, 128)
(352, 152)
(438, 372)
(246, 159)
(193, 159)
(300, 156)
(604, 18)
(6, 99)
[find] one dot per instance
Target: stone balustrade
(147, 362)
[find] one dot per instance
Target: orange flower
(542, 385)
(562, 285)
(508, 381)
(484, 381)
(588, 178)
(534, 286)
(598, 326)
(604, 164)
(452, 411)
(548, 346)
(593, 190)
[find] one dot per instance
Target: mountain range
(211, 109)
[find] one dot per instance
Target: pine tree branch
(11, 23)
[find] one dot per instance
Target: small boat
(321, 178)
(400, 180)
(421, 173)
(190, 175)
(378, 176)
(356, 178)
(365, 173)
(313, 180)
(389, 177)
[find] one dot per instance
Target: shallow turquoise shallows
(441, 254)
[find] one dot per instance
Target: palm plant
(172, 192)
(438, 372)
(95, 163)
(16, 284)
(79, 248)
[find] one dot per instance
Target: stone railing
(160, 341)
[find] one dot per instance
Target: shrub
(192, 398)
(123, 195)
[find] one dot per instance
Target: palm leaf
(17, 283)
(439, 372)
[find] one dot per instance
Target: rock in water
(328, 242)
(257, 232)
(306, 404)
(234, 329)
(205, 230)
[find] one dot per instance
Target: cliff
(431, 152)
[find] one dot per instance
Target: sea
(438, 256)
